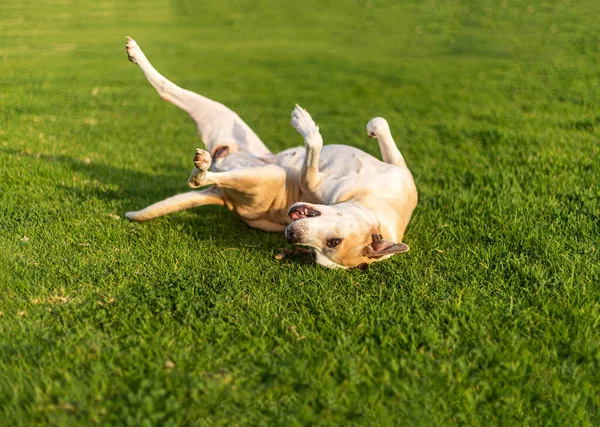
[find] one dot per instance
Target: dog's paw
(202, 162)
(303, 122)
(132, 216)
(132, 49)
(305, 125)
(202, 159)
(376, 126)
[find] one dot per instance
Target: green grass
(493, 317)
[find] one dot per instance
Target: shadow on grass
(127, 182)
(127, 189)
(229, 231)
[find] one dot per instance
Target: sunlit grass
(491, 318)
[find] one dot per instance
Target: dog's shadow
(123, 189)
(227, 231)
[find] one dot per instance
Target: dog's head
(342, 236)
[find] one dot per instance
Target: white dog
(346, 205)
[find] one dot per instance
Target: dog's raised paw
(202, 159)
(306, 126)
(376, 126)
(303, 122)
(132, 49)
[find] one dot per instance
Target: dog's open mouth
(302, 211)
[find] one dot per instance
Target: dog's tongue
(296, 215)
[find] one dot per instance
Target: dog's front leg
(379, 128)
(313, 141)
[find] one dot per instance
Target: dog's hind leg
(311, 178)
(218, 126)
(379, 128)
(208, 196)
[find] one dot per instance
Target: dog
(349, 207)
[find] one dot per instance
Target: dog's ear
(380, 247)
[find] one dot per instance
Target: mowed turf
(493, 317)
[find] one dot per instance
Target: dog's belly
(336, 161)
(237, 160)
(343, 160)
(290, 159)
(346, 171)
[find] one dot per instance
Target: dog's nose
(290, 235)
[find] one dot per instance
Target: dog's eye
(332, 243)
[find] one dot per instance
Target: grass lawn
(493, 317)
